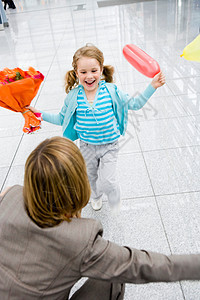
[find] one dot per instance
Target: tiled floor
(159, 161)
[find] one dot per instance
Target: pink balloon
(141, 61)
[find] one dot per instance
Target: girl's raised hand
(158, 80)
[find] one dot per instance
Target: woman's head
(56, 185)
(85, 54)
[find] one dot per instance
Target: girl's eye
(94, 71)
(83, 72)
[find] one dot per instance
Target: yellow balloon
(192, 50)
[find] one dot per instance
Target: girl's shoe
(96, 204)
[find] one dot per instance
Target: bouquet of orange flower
(17, 90)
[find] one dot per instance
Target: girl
(96, 112)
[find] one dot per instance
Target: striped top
(96, 124)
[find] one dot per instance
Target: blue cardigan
(121, 104)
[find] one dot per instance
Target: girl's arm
(137, 102)
(56, 119)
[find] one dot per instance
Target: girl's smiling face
(89, 73)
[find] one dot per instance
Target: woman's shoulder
(85, 229)
(13, 194)
(90, 226)
(81, 232)
(11, 189)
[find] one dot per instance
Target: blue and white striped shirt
(96, 124)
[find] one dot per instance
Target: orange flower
(9, 73)
(31, 71)
(22, 73)
(2, 76)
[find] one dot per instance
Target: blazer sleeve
(105, 260)
(137, 102)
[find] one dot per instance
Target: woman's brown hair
(71, 80)
(56, 185)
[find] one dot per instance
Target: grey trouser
(101, 162)
(99, 290)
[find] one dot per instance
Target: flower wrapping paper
(17, 90)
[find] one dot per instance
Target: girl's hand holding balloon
(158, 80)
(145, 64)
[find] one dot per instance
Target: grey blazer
(38, 263)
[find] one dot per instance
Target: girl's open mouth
(89, 83)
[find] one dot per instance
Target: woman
(46, 247)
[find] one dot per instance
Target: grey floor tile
(132, 76)
(154, 291)
(177, 67)
(77, 286)
(50, 102)
(6, 112)
(3, 174)
(158, 108)
(11, 125)
(15, 176)
(197, 121)
(136, 88)
(54, 87)
(184, 235)
(137, 224)
(168, 133)
(191, 290)
(129, 142)
(181, 218)
(9, 146)
(174, 170)
(184, 86)
(133, 176)
(191, 103)
(29, 143)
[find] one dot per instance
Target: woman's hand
(33, 109)
(158, 80)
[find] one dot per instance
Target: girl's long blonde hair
(71, 80)
(56, 185)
